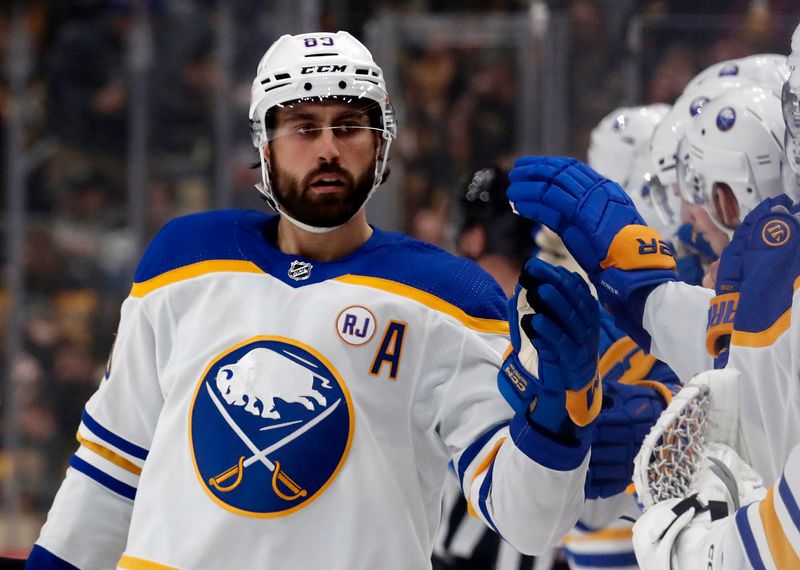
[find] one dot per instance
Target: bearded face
(326, 197)
(322, 161)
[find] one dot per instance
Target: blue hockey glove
(628, 413)
(600, 227)
(762, 253)
(690, 269)
(551, 371)
(695, 241)
(636, 387)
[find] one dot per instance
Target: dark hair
(483, 202)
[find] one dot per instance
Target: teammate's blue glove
(551, 371)
(696, 241)
(690, 269)
(600, 227)
(628, 413)
(763, 244)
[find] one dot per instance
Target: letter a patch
(390, 350)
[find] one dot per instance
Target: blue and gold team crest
(270, 427)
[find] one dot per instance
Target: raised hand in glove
(759, 263)
(601, 228)
(551, 372)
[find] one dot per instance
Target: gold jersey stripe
(109, 455)
(487, 461)
(605, 534)
(763, 338)
(142, 288)
(780, 548)
(133, 563)
(476, 323)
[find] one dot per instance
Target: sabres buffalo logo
(270, 426)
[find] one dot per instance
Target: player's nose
(328, 145)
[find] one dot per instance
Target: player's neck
(325, 246)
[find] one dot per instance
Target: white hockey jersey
(764, 348)
(263, 410)
(764, 535)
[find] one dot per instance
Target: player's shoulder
(433, 271)
(191, 239)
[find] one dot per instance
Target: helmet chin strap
(265, 188)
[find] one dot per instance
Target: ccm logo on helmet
(305, 70)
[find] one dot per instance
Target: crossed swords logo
(278, 475)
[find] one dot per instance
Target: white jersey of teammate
(266, 410)
(764, 534)
(766, 350)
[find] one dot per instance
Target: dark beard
(322, 210)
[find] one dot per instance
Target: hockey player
(758, 272)
(620, 151)
(633, 397)
(760, 269)
(289, 390)
(625, 260)
(765, 70)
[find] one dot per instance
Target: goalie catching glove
(685, 533)
(551, 372)
(600, 227)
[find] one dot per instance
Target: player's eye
(306, 129)
(347, 128)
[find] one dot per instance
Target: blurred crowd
(458, 115)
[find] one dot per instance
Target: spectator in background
(86, 75)
(430, 84)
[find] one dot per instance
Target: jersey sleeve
(519, 482)
(675, 317)
(87, 526)
(764, 534)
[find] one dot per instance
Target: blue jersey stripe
(585, 527)
(42, 559)
(103, 478)
(749, 541)
(112, 438)
(483, 495)
(614, 560)
(789, 501)
(474, 448)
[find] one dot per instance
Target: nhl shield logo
(270, 427)
(300, 270)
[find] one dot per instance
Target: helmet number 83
(323, 41)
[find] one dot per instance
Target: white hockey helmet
(663, 180)
(313, 67)
(619, 150)
(770, 69)
(790, 99)
(730, 157)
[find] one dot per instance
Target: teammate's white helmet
(315, 66)
(790, 98)
(730, 157)
(770, 69)
(619, 150)
(668, 133)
